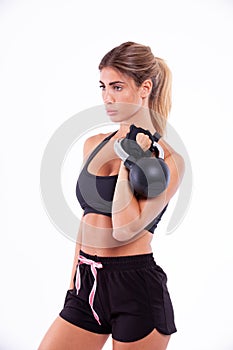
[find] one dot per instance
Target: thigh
(63, 335)
(153, 341)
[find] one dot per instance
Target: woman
(116, 286)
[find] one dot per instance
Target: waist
(122, 262)
(97, 238)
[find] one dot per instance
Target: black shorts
(130, 300)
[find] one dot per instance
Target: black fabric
(134, 130)
(156, 136)
(131, 298)
(95, 193)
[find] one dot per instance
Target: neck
(142, 119)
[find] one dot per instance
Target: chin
(117, 118)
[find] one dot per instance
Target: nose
(107, 97)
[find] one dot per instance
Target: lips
(111, 111)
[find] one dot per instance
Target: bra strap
(110, 136)
(97, 148)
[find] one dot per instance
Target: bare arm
(88, 145)
(129, 215)
(76, 255)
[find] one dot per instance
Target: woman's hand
(144, 141)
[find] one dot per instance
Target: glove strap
(156, 136)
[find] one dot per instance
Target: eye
(117, 87)
(102, 87)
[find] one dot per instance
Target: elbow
(124, 230)
(122, 234)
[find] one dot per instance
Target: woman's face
(121, 96)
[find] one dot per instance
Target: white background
(49, 58)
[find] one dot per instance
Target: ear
(146, 88)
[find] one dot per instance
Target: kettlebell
(148, 175)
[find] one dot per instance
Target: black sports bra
(95, 193)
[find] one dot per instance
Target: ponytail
(160, 97)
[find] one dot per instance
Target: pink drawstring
(94, 265)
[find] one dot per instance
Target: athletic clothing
(95, 193)
(125, 296)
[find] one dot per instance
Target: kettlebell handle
(119, 149)
(160, 149)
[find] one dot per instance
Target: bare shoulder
(93, 141)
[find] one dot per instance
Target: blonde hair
(138, 62)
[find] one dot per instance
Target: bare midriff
(97, 238)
